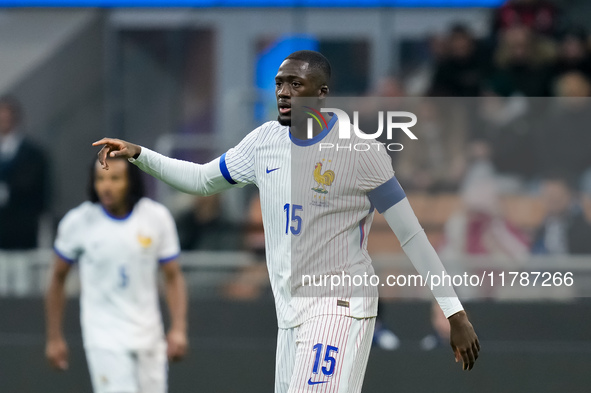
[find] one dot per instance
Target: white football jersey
(119, 260)
(316, 215)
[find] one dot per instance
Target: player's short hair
(14, 106)
(315, 60)
(136, 189)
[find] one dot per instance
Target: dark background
(526, 347)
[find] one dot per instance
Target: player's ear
(323, 91)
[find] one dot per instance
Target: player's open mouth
(284, 108)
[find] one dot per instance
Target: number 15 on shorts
(329, 362)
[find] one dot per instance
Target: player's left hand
(177, 345)
(463, 340)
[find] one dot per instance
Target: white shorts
(142, 371)
(325, 354)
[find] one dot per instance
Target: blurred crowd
(531, 45)
(501, 116)
(533, 51)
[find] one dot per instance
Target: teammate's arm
(56, 349)
(176, 297)
(192, 178)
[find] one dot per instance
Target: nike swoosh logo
(315, 383)
(271, 170)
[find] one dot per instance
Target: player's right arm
(236, 167)
(56, 348)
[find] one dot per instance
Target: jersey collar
(317, 138)
(116, 218)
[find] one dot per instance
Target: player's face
(295, 79)
(112, 186)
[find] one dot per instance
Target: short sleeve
(169, 247)
(68, 244)
(374, 167)
(238, 164)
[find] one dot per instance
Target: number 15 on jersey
(292, 216)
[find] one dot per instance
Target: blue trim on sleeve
(386, 195)
(317, 138)
(164, 261)
(62, 256)
(224, 169)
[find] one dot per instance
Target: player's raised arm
(189, 177)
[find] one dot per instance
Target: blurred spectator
(204, 228)
(435, 162)
(581, 227)
(505, 126)
(460, 72)
(538, 15)
(580, 231)
(438, 47)
(386, 95)
(23, 181)
(418, 74)
(521, 64)
(388, 86)
(565, 229)
(479, 229)
(551, 237)
(23, 198)
(563, 138)
(572, 54)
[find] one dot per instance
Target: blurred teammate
(120, 239)
(317, 210)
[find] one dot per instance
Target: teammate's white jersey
(119, 259)
(316, 212)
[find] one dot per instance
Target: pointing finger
(106, 141)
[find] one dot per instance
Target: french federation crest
(323, 180)
(144, 241)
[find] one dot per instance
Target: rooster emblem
(144, 241)
(322, 179)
